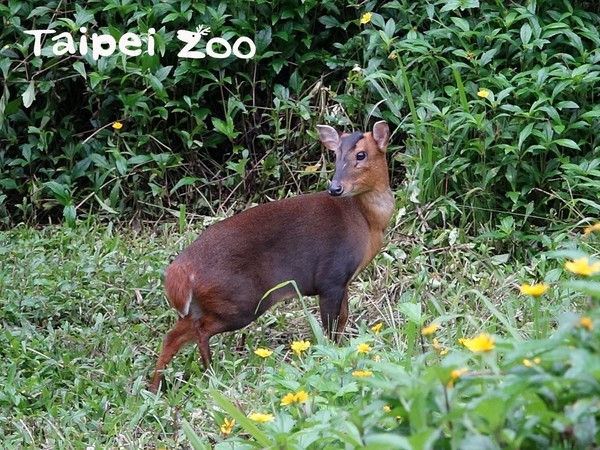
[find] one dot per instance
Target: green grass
(84, 315)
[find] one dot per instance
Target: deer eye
(361, 155)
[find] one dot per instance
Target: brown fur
(320, 241)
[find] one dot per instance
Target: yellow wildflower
(386, 408)
(590, 229)
(455, 375)
(431, 329)
(288, 399)
(531, 363)
(366, 18)
(483, 93)
(438, 348)
(582, 266)
(393, 56)
(227, 426)
(263, 352)
(298, 397)
(117, 125)
(377, 328)
(362, 373)
(587, 323)
(363, 348)
(260, 417)
(300, 346)
(482, 343)
(470, 55)
(301, 397)
(534, 290)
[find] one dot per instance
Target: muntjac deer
(320, 240)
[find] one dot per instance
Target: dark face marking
(350, 141)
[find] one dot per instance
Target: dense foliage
(493, 104)
(78, 347)
(493, 110)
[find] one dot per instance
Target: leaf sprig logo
(130, 44)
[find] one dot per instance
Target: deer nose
(336, 189)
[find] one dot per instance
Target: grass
(84, 315)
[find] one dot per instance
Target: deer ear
(329, 137)
(381, 134)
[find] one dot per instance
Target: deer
(320, 241)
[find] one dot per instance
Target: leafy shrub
(497, 102)
(494, 102)
(227, 124)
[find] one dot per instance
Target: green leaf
(185, 181)
(60, 191)
(525, 33)
(384, 441)
(278, 64)
(29, 95)
(524, 134)
(329, 21)
(104, 206)
(194, 439)
(461, 23)
(451, 5)
(162, 73)
(261, 437)
(486, 57)
(569, 143)
(587, 287)
(70, 214)
(80, 68)
(412, 311)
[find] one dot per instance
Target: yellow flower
(263, 352)
(590, 229)
(530, 363)
(393, 56)
(301, 397)
(362, 373)
(470, 55)
(431, 329)
(300, 346)
(438, 348)
(587, 323)
(386, 408)
(260, 417)
(482, 343)
(483, 93)
(117, 125)
(582, 266)
(377, 328)
(534, 290)
(363, 348)
(455, 375)
(366, 18)
(227, 426)
(298, 397)
(288, 399)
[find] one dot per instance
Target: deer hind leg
(181, 334)
(205, 327)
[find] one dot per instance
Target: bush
(228, 125)
(494, 102)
